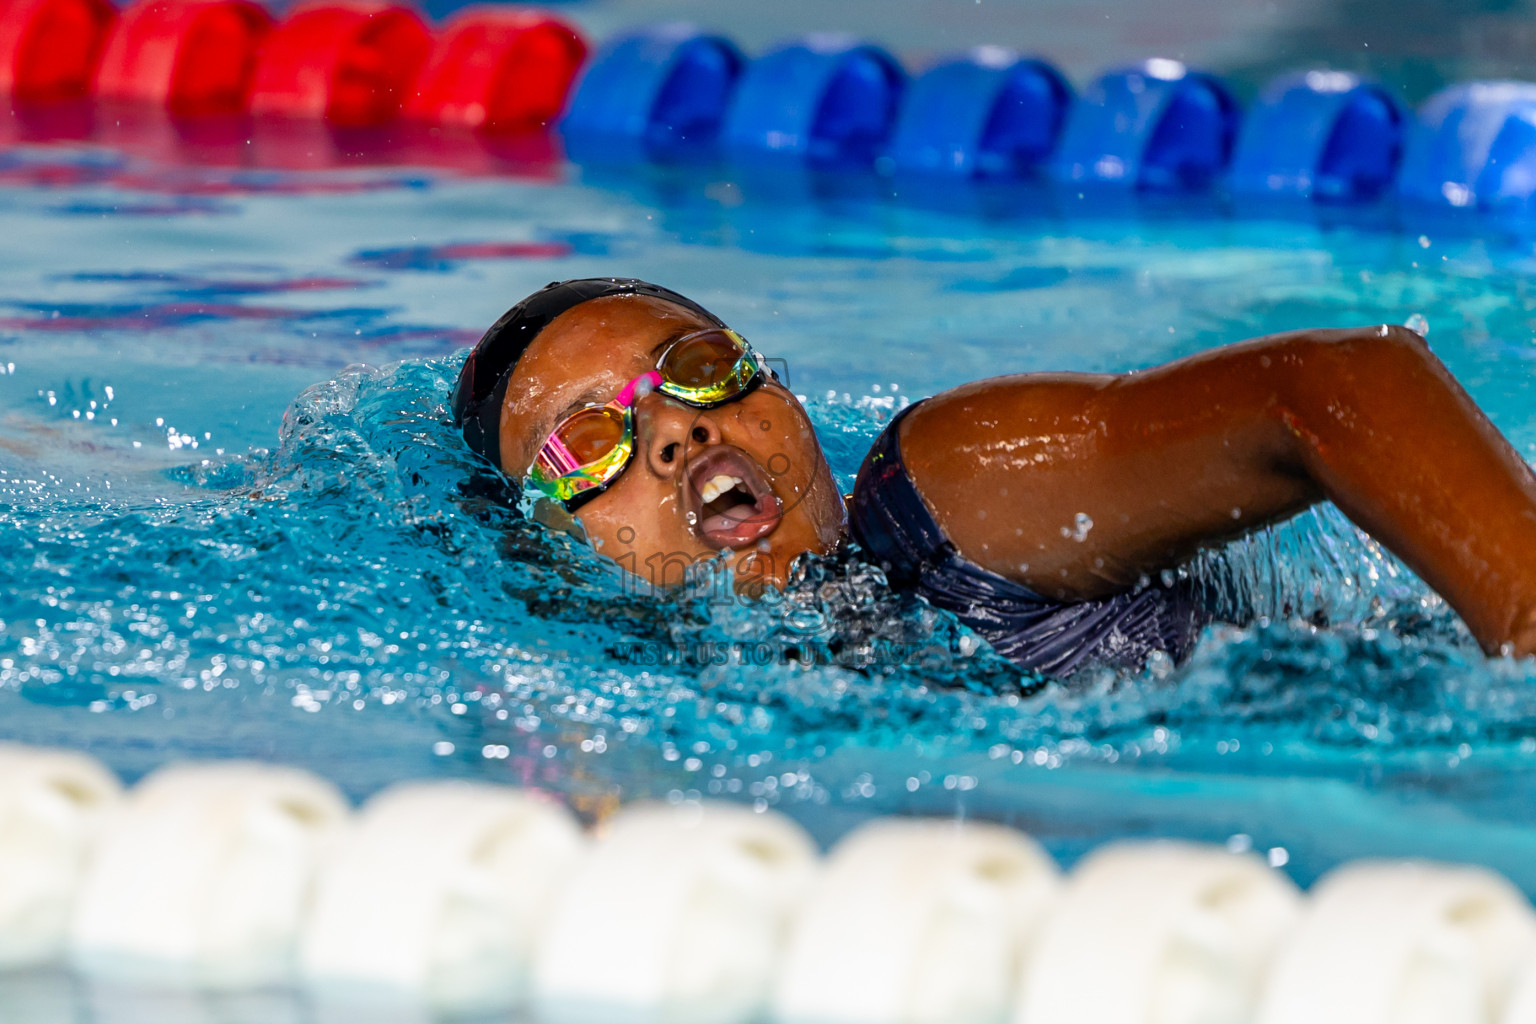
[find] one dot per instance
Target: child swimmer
(1041, 509)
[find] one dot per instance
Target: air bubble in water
(1082, 523)
(1418, 324)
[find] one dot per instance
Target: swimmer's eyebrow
(591, 396)
(547, 424)
(669, 339)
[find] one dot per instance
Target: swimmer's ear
(550, 513)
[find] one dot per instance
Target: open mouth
(729, 500)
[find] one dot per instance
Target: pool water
(234, 521)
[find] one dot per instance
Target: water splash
(369, 562)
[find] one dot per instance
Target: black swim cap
(482, 385)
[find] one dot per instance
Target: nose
(668, 430)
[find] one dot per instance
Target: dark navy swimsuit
(896, 529)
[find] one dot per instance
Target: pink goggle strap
(626, 396)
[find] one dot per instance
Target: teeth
(718, 485)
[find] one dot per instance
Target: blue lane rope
(834, 101)
(1159, 127)
(990, 113)
(1474, 149)
(655, 93)
(829, 99)
(1329, 136)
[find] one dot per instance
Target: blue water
(236, 522)
(233, 521)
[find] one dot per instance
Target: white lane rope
(455, 897)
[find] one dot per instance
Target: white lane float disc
(52, 804)
(916, 922)
(1160, 933)
(41, 997)
(1402, 943)
(134, 1003)
(676, 915)
(204, 875)
(1520, 1008)
(437, 892)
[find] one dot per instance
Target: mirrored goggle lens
(710, 364)
(582, 439)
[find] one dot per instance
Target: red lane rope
(191, 56)
(49, 48)
(348, 62)
(498, 69)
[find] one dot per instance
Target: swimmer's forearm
(1402, 449)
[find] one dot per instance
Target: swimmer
(1043, 510)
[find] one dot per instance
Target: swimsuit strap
(888, 517)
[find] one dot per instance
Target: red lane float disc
(352, 63)
(193, 56)
(498, 69)
(49, 48)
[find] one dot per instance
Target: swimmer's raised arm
(1076, 485)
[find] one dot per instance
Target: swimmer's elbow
(1380, 340)
(1382, 353)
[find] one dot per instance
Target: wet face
(746, 478)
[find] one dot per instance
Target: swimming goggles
(590, 448)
